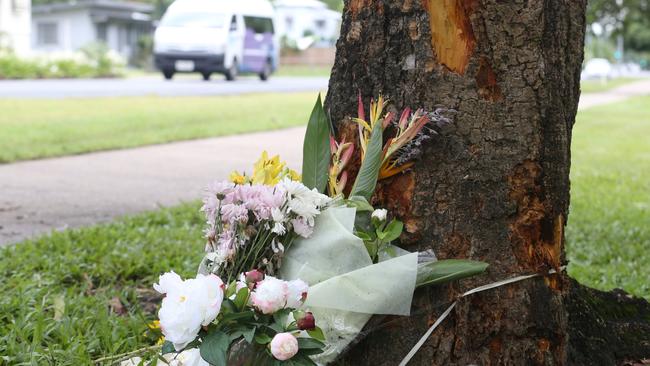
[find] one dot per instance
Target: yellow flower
(237, 178)
(154, 325)
(267, 170)
(293, 175)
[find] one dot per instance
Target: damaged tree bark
(494, 187)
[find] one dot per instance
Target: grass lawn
(608, 236)
(303, 70)
(86, 269)
(31, 129)
(596, 86)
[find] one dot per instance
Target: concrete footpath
(42, 195)
(55, 194)
(623, 92)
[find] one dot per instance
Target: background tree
(494, 186)
(629, 19)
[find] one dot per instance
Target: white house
(296, 19)
(67, 27)
(15, 25)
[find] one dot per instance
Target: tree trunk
(494, 186)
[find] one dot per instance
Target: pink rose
(284, 346)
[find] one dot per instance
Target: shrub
(94, 60)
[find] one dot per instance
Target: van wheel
(231, 73)
(266, 72)
(168, 74)
(206, 76)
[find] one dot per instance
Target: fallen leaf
(59, 307)
(116, 306)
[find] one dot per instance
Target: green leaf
(263, 338)
(168, 347)
(249, 334)
(316, 149)
(281, 317)
(363, 235)
(438, 272)
(311, 351)
(241, 298)
(214, 348)
(372, 248)
(302, 358)
(360, 203)
(366, 181)
(230, 290)
(228, 305)
(309, 343)
(238, 316)
(393, 231)
(317, 334)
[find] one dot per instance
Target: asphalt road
(181, 86)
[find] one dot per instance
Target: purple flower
(232, 213)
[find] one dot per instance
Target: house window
(102, 32)
(47, 34)
(320, 24)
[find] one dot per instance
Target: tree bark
(494, 186)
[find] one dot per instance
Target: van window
(233, 24)
(259, 24)
(193, 19)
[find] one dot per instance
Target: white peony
(380, 214)
(297, 293)
(190, 357)
(187, 305)
(135, 361)
(284, 346)
(270, 295)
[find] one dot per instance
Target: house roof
(114, 5)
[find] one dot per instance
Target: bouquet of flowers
(295, 265)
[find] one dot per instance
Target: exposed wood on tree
(452, 37)
(494, 186)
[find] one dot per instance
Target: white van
(217, 36)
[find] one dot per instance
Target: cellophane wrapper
(346, 288)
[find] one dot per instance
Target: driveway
(181, 86)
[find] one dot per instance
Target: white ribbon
(444, 315)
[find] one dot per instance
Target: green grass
(597, 86)
(31, 129)
(88, 268)
(608, 246)
(303, 70)
(608, 236)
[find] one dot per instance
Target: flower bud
(254, 276)
(284, 346)
(306, 322)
